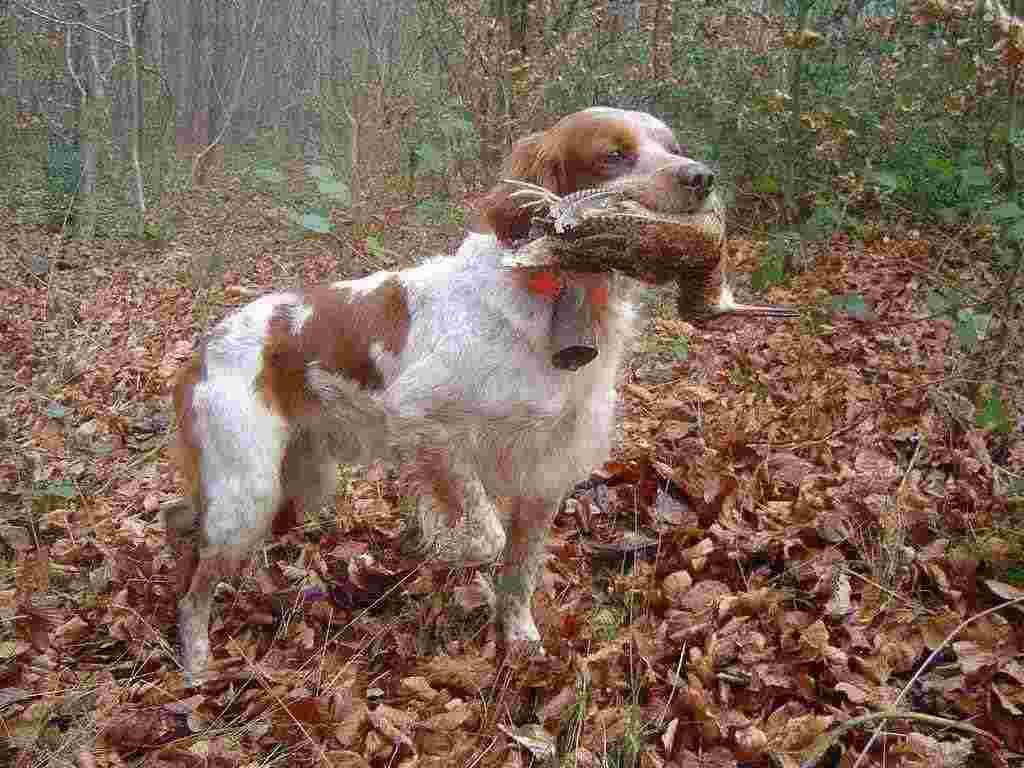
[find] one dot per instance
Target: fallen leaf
(533, 738)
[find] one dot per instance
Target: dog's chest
(480, 342)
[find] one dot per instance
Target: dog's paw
(191, 678)
(195, 654)
(485, 587)
(518, 631)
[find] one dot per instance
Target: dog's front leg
(528, 528)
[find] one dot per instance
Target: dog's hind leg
(234, 524)
(240, 444)
(181, 523)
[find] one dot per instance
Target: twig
(472, 763)
(927, 663)
(259, 677)
(70, 23)
(675, 685)
(810, 757)
(891, 593)
(71, 65)
(393, 588)
(149, 454)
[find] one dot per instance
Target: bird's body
(597, 230)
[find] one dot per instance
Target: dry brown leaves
(796, 517)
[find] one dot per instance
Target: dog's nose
(697, 177)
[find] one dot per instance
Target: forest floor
(797, 516)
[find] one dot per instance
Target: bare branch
(927, 665)
(71, 65)
(72, 23)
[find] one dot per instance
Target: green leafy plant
(311, 212)
(329, 186)
(923, 175)
(438, 211)
(604, 624)
(772, 268)
(992, 413)
(50, 494)
(681, 348)
(375, 246)
(971, 324)
(971, 327)
(853, 305)
(443, 141)
(625, 753)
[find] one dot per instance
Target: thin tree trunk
(659, 20)
(1011, 121)
(1011, 130)
(136, 118)
(354, 181)
(516, 17)
(92, 125)
(796, 87)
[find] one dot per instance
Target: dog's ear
(533, 159)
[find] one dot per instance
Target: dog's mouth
(679, 189)
(677, 205)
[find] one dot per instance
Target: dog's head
(592, 148)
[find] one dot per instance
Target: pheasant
(614, 228)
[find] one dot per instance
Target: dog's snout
(698, 177)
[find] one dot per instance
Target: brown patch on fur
(283, 377)
(502, 214)
(432, 471)
(186, 448)
(337, 336)
(181, 522)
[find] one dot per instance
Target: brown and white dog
(447, 364)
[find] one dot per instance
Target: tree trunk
(796, 87)
(92, 124)
(1012, 75)
(661, 13)
(354, 179)
(625, 14)
(516, 16)
(135, 130)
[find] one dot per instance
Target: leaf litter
(796, 517)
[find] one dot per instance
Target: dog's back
(464, 361)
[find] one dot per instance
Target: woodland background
(802, 551)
